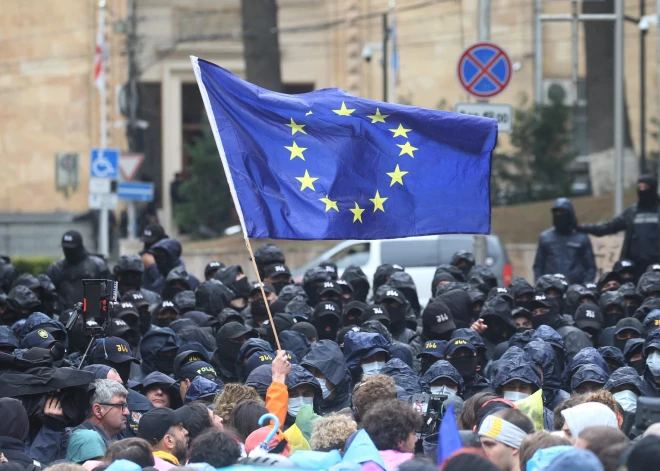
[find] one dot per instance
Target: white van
(419, 255)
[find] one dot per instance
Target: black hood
(250, 347)
(358, 280)
(460, 306)
(327, 357)
(158, 349)
(171, 251)
(212, 297)
(570, 222)
(383, 273)
(404, 283)
(185, 301)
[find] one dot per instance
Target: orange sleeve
(277, 401)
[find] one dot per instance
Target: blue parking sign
(104, 164)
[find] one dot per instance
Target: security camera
(367, 53)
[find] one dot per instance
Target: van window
(451, 244)
(410, 253)
(357, 254)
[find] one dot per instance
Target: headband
(502, 431)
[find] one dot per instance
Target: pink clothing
(162, 465)
(392, 459)
(91, 464)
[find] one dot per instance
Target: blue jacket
(588, 373)
(518, 365)
(261, 379)
(155, 342)
(404, 377)
(247, 349)
(568, 253)
(544, 355)
(327, 357)
(38, 318)
(613, 354)
(442, 369)
(295, 342)
(154, 277)
(360, 345)
(626, 375)
(201, 388)
(297, 377)
(587, 356)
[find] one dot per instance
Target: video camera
(99, 302)
(431, 406)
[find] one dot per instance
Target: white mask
(653, 362)
(373, 368)
(295, 403)
(514, 396)
(627, 400)
(443, 390)
(324, 388)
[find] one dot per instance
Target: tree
(207, 208)
(261, 47)
(537, 169)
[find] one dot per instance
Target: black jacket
(67, 278)
(568, 253)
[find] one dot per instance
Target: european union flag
(328, 165)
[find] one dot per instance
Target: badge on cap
(68, 238)
(168, 304)
(392, 293)
(42, 333)
(540, 297)
(441, 318)
(590, 313)
(330, 307)
(280, 268)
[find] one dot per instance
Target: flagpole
(261, 285)
(103, 214)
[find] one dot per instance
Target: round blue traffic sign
(484, 70)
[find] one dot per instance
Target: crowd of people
(194, 373)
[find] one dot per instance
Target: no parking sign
(484, 70)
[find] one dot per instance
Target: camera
(99, 303)
(431, 406)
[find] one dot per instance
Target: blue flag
(449, 440)
(328, 165)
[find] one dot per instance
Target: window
(357, 254)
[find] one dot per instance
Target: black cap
(136, 298)
(456, 344)
(155, 423)
(375, 313)
(213, 266)
(629, 323)
(589, 315)
(166, 306)
(393, 294)
(276, 269)
(118, 327)
(541, 300)
(153, 233)
(256, 288)
(72, 240)
(327, 308)
(268, 254)
(623, 265)
(113, 349)
(330, 287)
(198, 368)
(234, 330)
(521, 312)
(437, 318)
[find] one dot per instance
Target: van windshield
(357, 254)
(431, 253)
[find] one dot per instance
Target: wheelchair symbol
(102, 167)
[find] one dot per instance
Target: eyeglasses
(122, 405)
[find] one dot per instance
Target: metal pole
(390, 37)
(618, 106)
(386, 34)
(575, 32)
(642, 90)
(103, 214)
(131, 40)
(657, 60)
(538, 52)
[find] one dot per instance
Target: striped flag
(99, 53)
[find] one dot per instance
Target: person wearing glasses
(108, 410)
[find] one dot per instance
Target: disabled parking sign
(484, 70)
(104, 163)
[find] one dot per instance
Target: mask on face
(397, 317)
(163, 321)
(638, 365)
(325, 392)
(373, 368)
(443, 390)
(426, 364)
(562, 223)
(295, 403)
(612, 319)
(653, 362)
(466, 366)
(620, 344)
(258, 309)
(627, 400)
(514, 396)
(279, 285)
(544, 319)
(647, 198)
(495, 334)
(130, 281)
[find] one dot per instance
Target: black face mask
(163, 321)
(279, 285)
(495, 333)
(610, 320)
(164, 364)
(562, 223)
(397, 318)
(145, 321)
(242, 287)
(548, 319)
(630, 310)
(426, 363)
(130, 281)
(466, 366)
(620, 344)
(258, 309)
(523, 329)
(327, 327)
(639, 365)
(171, 291)
(647, 198)
(227, 353)
(360, 292)
(74, 255)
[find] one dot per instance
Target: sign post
(103, 172)
(129, 164)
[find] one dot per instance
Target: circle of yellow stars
(396, 176)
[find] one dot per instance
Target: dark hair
(136, 450)
(199, 420)
(215, 448)
(558, 420)
(467, 419)
(245, 418)
(390, 422)
(537, 441)
(517, 418)
(607, 443)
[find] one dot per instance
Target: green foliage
(537, 168)
(34, 265)
(208, 206)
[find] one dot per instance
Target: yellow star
(307, 181)
(397, 175)
(357, 213)
(329, 204)
(296, 127)
(400, 131)
(377, 118)
(296, 151)
(343, 111)
(378, 202)
(407, 149)
(308, 113)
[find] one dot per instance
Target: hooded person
(257, 313)
(234, 279)
(460, 306)
(434, 350)
(587, 356)
(437, 321)
(613, 357)
(482, 277)
(39, 321)
(545, 311)
(522, 317)
(543, 355)
(649, 284)
(277, 275)
(14, 435)
(230, 338)
(185, 301)
(588, 319)
(588, 379)
(212, 297)
(330, 291)
(294, 342)
(383, 273)
(246, 350)
(268, 254)
(632, 297)
(398, 309)
(152, 234)
(128, 274)
(613, 307)
(19, 304)
(626, 387)
(403, 282)
(626, 329)
(354, 275)
(365, 354)
(407, 382)
(326, 362)
(158, 349)
(640, 222)
(462, 355)
(8, 340)
(8, 273)
(120, 328)
(326, 319)
(523, 292)
(166, 255)
(651, 355)
(212, 268)
(304, 389)
(443, 378)
(143, 307)
(651, 322)
(562, 249)
(202, 390)
(441, 278)
(464, 261)
(298, 308)
(634, 356)
(576, 295)
(496, 315)
(160, 389)
(312, 280)
(455, 272)
(352, 313)
(648, 305)
(165, 313)
(260, 379)
(78, 264)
